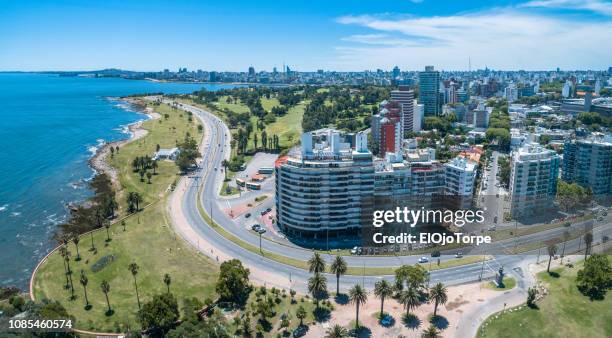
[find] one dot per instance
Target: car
(247, 215)
(261, 230)
(255, 227)
(354, 250)
(458, 255)
(263, 212)
(423, 260)
(300, 331)
(492, 228)
(269, 209)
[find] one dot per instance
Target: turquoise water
(49, 128)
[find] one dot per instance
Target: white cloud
(501, 38)
(597, 6)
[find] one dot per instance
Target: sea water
(49, 128)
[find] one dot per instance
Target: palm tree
(552, 251)
(382, 290)
(588, 240)
(84, 282)
(566, 237)
(137, 200)
(106, 289)
(316, 264)
(357, 296)
(62, 252)
(142, 173)
(439, 295)
(317, 285)
(75, 239)
(69, 272)
(300, 313)
(167, 281)
(410, 299)
(133, 267)
(107, 227)
(431, 332)
(123, 223)
(149, 175)
(338, 267)
(336, 331)
(225, 164)
(154, 166)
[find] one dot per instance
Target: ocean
(49, 128)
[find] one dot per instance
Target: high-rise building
(429, 91)
(251, 71)
(511, 93)
(324, 189)
(533, 179)
(459, 174)
(588, 162)
(396, 72)
(405, 97)
(418, 112)
(390, 136)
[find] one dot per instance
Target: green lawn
(148, 241)
(509, 283)
(565, 312)
(166, 133)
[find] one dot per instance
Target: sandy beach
(99, 163)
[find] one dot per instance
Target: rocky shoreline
(98, 162)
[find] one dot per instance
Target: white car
(423, 260)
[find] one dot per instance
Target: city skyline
(507, 35)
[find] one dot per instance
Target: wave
(3, 208)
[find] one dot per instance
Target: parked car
(354, 250)
(247, 215)
(458, 255)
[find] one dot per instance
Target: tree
(225, 164)
(531, 296)
(134, 199)
(133, 267)
(284, 324)
(588, 241)
(430, 332)
(316, 264)
(409, 299)
(317, 285)
(382, 290)
(339, 268)
(75, 239)
(595, 278)
(160, 314)
(167, 281)
(552, 251)
(336, 331)
(255, 141)
(107, 227)
(245, 325)
(149, 175)
(69, 272)
(300, 313)
(439, 295)
(84, 282)
(142, 173)
(566, 237)
(106, 289)
(357, 296)
(233, 282)
(410, 276)
(154, 166)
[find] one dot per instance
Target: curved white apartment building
(325, 188)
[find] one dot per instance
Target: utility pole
(538, 260)
(482, 268)
(261, 252)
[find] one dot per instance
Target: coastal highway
(207, 180)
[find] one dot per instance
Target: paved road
(207, 181)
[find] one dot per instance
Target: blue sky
(306, 35)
